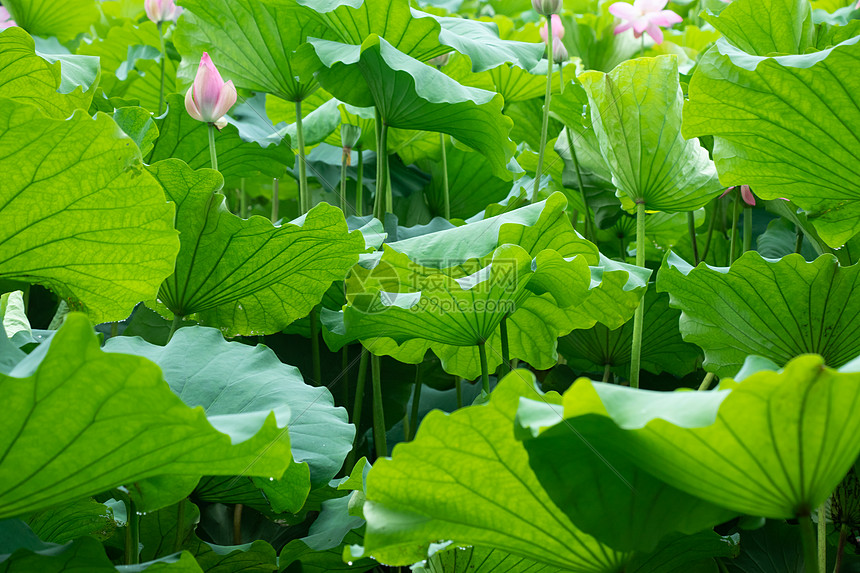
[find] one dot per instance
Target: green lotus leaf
(121, 423)
(517, 84)
(775, 548)
(412, 95)
(255, 557)
(782, 26)
(137, 123)
(591, 37)
(229, 377)
(83, 554)
(182, 562)
(13, 314)
(685, 553)
(64, 20)
(481, 560)
(481, 492)
(663, 349)
(528, 117)
(182, 137)
(636, 114)
(27, 77)
(721, 445)
(167, 530)
(105, 239)
(248, 276)
(775, 309)
(787, 127)
(69, 521)
(297, 554)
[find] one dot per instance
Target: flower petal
(226, 99)
(190, 106)
(207, 88)
(623, 27)
(624, 11)
(640, 25)
(665, 18)
(651, 5)
(655, 32)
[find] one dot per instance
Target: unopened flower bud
(440, 61)
(559, 52)
(546, 7)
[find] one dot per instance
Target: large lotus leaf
(636, 114)
(297, 556)
(413, 95)
(589, 480)
(781, 26)
(65, 20)
(481, 492)
(482, 560)
(663, 349)
(228, 377)
(256, 557)
(182, 137)
(775, 548)
(776, 309)
(28, 78)
(113, 49)
(83, 554)
(787, 126)
(251, 41)
(685, 553)
(81, 215)
(724, 447)
(591, 36)
(120, 423)
(249, 276)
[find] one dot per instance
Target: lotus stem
(243, 199)
(639, 316)
(840, 549)
(276, 185)
(822, 534)
(114, 329)
(706, 382)
(344, 367)
(213, 156)
(485, 370)
(588, 230)
(357, 406)
(691, 226)
(416, 397)
(747, 229)
(607, 371)
(735, 213)
(798, 239)
(174, 326)
(503, 333)
(445, 177)
(237, 524)
(458, 386)
(315, 345)
(343, 163)
(163, 60)
(545, 121)
(379, 439)
(132, 534)
(382, 199)
(810, 549)
(359, 185)
(304, 196)
(710, 234)
(180, 517)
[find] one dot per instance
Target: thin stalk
(691, 227)
(547, 99)
(710, 234)
(735, 212)
(445, 177)
(132, 534)
(458, 386)
(822, 534)
(503, 333)
(561, 78)
(276, 199)
(379, 439)
(607, 370)
(213, 157)
(180, 518)
(574, 219)
(485, 370)
(798, 239)
(416, 398)
(588, 230)
(163, 60)
(642, 49)
(639, 316)
(357, 406)
(243, 199)
(237, 524)
(359, 185)
(177, 320)
(747, 229)
(304, 197)
(382, 191)
(315, 345)
(810, 549)
(840, 549)
(622, 248)
(344, 367)
(722, 566)
(706, 382)
(343, 183)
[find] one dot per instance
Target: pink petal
(190, 106)
(623, 27)
(557, 27)
(640, 26)
(651, 5)
(665, 18)
(747, 195)
(624, 11)
(543, 33)
(153, 10)
(655, 32)
(226, 99)
(207, 88)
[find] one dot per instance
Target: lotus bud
(209, 98)
(349, 136)
(746, 194)
(546, 7)
(559, 52)
(162, 10)
(6, 20)
(440, 61)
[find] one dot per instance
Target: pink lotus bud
(209, 98)
(644, 16)
(440, 61)
(162, 10)
(6, 20)
(546, 7)
(746, 194)
(557, 29)
(559, 52)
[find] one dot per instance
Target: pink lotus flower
(557, 29)
(209, 98)
(162, 10)
(6, 20)
(746, 195)
(644, 16)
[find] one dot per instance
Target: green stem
(547, 99)
(416, 398)
(237, 524)
(177, 320)
(343, 162)
(506, 351)
(458, 386)
(639, 316)
(357, 406)
(607, 370)
(180, 518)
(822, 534)
(132, 534)
(445, 177)
(810, 549)
(243, 199)
(710, 234)
(747, 229)
(114, 329)
(163, 60)
(379, 439)
(315, 345)
(359, 185)
(561, 78)
(735, 212)
(381, 199)
(213, 157)
(706, 382)
(691, 227)
(840, 548)
(276, 199)
(798, 239)
(485, 370)
(304, 197)
(588, 222)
